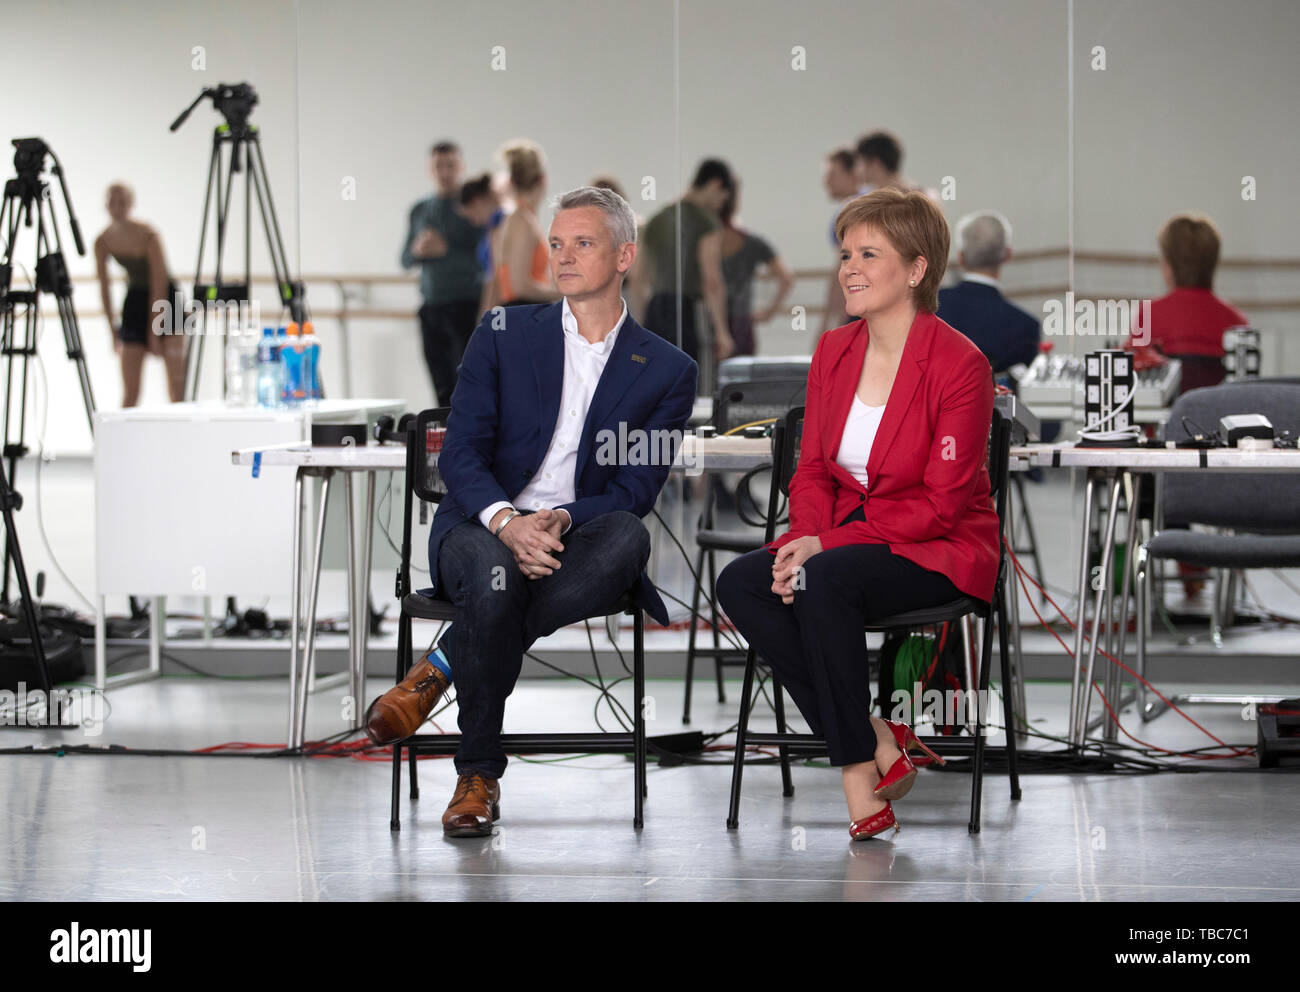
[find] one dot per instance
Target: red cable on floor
(1238, 752)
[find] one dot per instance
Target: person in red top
(889, 505)
(1189, 322)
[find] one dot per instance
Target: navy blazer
(504, 410)
(1005, 333)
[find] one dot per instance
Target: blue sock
(439, 661)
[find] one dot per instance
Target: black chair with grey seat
(786, 454)
(424, 482)
(737, 405)
(1256, 515)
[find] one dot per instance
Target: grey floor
(96, 827)
(237, 828)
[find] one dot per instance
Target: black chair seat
(423, 607)
(729, 540)
(1227, 550)
(942, 613)
(427, 607)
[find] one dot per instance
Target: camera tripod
(236, 148)
(28, 198)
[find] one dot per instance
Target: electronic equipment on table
(1055, 387)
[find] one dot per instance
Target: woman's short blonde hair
(916, 228)
(526, 163)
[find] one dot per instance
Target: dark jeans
(500, 613)
(661, 317)
(816, 646)
(446, 329)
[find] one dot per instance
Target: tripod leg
(29, 610)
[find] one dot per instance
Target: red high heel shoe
(876, 823)
(897, 782)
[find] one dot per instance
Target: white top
(859, 434)
(555, 483)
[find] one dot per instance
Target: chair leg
(638, 720)
(742, 732)
(691, 635)
(403, 664)
(713, 612)
(394, 822)
(977, 770)
(415, 780)
(778, 702)
(1013, 770)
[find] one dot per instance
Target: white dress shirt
(555, 481)
(860, 428)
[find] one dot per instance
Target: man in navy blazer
(975, 306)
(540, 527)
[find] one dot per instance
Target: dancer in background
(138, 249)
(521, 257)
(743, 255)
(443, 242)
(698, 243)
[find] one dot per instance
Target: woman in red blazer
(889, 505)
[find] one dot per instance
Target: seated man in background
(975, 306)
(540, 527)
(1188, 322)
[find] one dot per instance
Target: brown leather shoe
(398, 713)
(474, 807)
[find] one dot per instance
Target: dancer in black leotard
(138, 249)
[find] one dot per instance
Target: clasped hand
(789, 560)
(531, 537)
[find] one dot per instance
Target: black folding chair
(785, 445)
(424, 482)
(735, 405)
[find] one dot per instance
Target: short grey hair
(618, 212)
(984, 238)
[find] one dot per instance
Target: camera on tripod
(236, 149)
(29, 158)
(234, 101)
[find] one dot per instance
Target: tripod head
(29, 163)
(234, 101)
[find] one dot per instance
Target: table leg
(1105, 583)
(354, 689)
(101, 646)
(157, 632)
(299, 512)
(367, 552)
(1014, 694)
(1132, 495)
(313, 592)
(1082, 605)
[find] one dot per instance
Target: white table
(172, 519)
(720, 454)
(1114, 468)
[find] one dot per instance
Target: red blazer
(927, 494)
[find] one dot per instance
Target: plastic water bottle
(311, 363)
(269, 370)
(293, 359)
(241, 367)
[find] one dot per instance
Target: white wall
(1195, 95)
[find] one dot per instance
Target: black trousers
(661, 317)
(446, 329)
(500, 613)
(816, 646)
